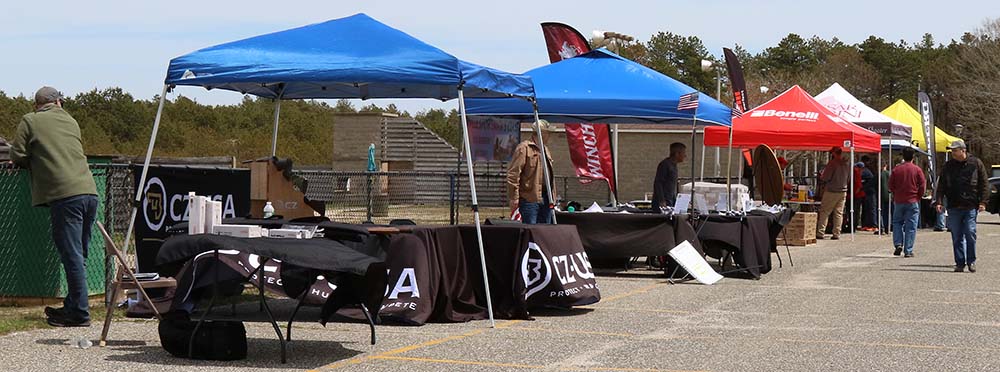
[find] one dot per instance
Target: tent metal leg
(145, 171)
(851, 190)
(545, 166)
(274, 134)
(475, 204)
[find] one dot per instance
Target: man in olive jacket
(48, 144)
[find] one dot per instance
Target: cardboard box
(238, 231)
(213, 215)
(286, 233)
(196, 214)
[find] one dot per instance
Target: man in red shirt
(907, 185)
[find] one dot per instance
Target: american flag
(688, 102)
(737, 111)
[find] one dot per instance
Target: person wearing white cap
(49, 145)
(965, 183)
(525, 178)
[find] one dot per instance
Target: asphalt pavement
(845, 305)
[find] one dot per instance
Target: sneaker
(908, 255)
(959, 268)
(898, 251)
(820, 237)
(938, 229)
(53, 312)
(835, 237)
(972, 267)
(64, 322)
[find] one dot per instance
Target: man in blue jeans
(907, 184)
(965, 183)
(526, 189)
(48, 144)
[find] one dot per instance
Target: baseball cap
(543, 125)
(859, 164)
(959, 144)
(47, 94)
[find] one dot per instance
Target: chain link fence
(29, 263)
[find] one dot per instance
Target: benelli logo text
(786, 114)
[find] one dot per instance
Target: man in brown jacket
(835, 177)
(525, 188)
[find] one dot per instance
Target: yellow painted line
(632, 293)
(404, 349)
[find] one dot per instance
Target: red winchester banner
(589, 144)
(589, 150)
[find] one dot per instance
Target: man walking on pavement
(965, 183)
(835, 177)
(908, 185)
(49, 145)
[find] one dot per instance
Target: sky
(77, 46)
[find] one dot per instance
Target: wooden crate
(800, 231)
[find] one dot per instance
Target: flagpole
(694, 121)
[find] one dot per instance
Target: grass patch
(26, 318)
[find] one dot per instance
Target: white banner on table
(694, 263)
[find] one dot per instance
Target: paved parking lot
(845, 305)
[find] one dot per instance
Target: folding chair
(124, 280)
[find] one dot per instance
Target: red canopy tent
(793, 121)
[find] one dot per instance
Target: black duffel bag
(216, 339)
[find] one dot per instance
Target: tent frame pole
(475, 204)
(851, 190)
(545, 166)
(614, 155)
(701, 176)
(878, 174)
(694, 122)
(277, 114)
(729, 171)
(145, 171)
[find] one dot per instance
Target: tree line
(961, 76)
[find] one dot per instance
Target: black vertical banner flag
(927, 119)
(736, 81)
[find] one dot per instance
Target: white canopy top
(843, 103)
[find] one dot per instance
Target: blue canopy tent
(352, 57)
(602, 87)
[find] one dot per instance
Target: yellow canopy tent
(902, 112)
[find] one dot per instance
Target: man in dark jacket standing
(48, 144)
(965, 183)
(907, 184)
(835, 178)
(665, 181)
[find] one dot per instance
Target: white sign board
(682, 203)
(694, 263)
